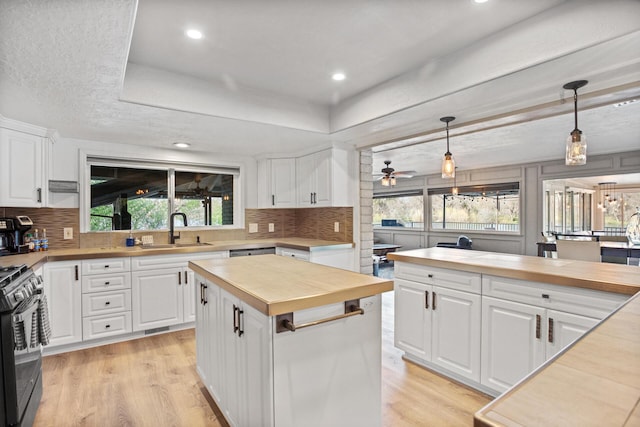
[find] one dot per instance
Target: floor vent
(156, 330)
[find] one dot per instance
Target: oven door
(27, 355)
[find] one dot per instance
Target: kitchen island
(538, 329)
(283, 342)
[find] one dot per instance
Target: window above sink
(123, 195)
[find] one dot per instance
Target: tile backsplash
(313, 223)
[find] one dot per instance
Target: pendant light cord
(575, 107)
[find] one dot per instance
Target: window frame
(88, 159)
(475, 187)
(402, 193)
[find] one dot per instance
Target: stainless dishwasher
(248, 252)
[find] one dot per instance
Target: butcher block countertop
(601, 276)
(594, 382)
(35, 259)
(275, 285)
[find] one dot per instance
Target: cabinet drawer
(105, 265)
(453, 279)
(106, 302)
(155, 262)
(106, 282)
(586, 302)
(104, 326)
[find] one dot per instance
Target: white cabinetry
(527, 323)
(163, 289)
(22, 168)
(318, 179)
(233, 350)
(279, 188)
(63, 289)
(322, 179)
(438, 316)
(293, 253)
(246, 357)
(106, 299)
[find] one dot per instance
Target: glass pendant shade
(385, 181)
(392, 181)
(448, 166)
(576, 154)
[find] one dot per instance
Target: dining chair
(583, 250)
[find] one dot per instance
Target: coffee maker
(12, 231)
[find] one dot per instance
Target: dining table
(607, 249)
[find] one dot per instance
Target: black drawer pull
(545, 296)
(107, 303)
(107, 326)
(106, 266)
(430, 276)
(106, 283)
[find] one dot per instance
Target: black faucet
(172, 237)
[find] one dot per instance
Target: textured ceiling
(258, 82)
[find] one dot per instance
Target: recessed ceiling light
(194, 34)
(182, 144)
(338, 76)
(622, 104)
(480, 1)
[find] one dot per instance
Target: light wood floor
(152, 382)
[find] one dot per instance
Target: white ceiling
(259, 81)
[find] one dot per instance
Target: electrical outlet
(253, 227)
(272, 227)
(68, 233)
(336, 227)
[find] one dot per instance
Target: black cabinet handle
(106, 283)
(273, 200)
(430, 276)
(107, 303)
(107, 326)
(433, 300)
(538, 326)
(240, 322)
(204, 294)
(106, 266)
(39, 195)
(550, 335)
(186, 278)
(179, 278)
(201, 293)
(76, 272)
(236, 321)
(426, 300)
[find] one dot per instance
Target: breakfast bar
(286, 342)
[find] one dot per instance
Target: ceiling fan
(389, 175)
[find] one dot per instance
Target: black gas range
(24, 328)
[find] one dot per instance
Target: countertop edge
(286, 306)
(518, 273)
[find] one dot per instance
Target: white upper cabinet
(314, 180)
(22, 168)
(322, 179)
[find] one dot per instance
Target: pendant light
(448, 164)
(576, 152)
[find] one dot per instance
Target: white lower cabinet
(517, 338)
(106, 297)
(246, 356)
(163, 289)
(233, 350)
(439, 325)
(526, 323)
(490, 330)
(63, 289)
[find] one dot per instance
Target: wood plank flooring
(152, 382)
